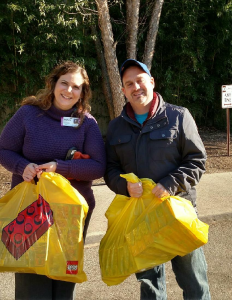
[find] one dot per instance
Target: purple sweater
(34, 135)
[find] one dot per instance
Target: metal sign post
(228, 130)
(227, 103)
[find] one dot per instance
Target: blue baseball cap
(132, 62)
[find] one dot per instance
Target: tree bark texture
(105, 77)
(110, 55)
(132, 20)
(152, 33)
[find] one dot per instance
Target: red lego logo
(30, 224)
(72, 267)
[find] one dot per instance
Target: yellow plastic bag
(147, 231)
(41, 229)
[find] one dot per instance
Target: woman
(39, 138)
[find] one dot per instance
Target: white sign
(227, 96)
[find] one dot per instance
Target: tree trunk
(105, 77)
(152, 33)
(110, 55)
(132, 18)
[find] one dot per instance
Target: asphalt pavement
(214, 199)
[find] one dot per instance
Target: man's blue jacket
(166, 149)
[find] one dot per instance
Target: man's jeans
(191, 276)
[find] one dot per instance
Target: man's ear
(123, 90)
(153, 82)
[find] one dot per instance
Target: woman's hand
(160, 191)
(48, 167)
(30, 172)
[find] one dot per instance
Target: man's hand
(135, 189)
(30, 172)
(159, 191)
(48, 167)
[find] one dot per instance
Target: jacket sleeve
(11, 144)
(114, 168)
(86, 169)
(193, 156)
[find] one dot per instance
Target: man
(154, 139)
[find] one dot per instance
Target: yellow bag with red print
(147, 231)
(41, 229)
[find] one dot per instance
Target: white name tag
(70, 121)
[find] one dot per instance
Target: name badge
(70, 121)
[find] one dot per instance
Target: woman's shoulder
(90, 123)
(25, 109)
(90, 118)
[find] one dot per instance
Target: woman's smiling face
(68, 90)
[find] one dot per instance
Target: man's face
(138, 88)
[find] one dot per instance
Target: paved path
(214, 206)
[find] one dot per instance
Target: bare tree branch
(110, 55)
(105, 77)
(132, 9)
(152, 33)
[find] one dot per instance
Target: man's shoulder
(118, 124)
(116, 121)
(175, 108)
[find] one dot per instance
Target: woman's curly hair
(45, 97)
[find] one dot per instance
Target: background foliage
(193, 55)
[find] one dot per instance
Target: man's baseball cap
(132, 62)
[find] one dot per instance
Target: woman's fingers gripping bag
(147, 231)
(41, 228)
